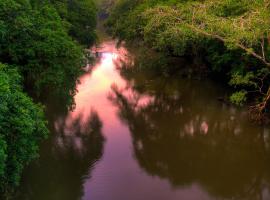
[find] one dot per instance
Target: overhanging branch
(249, 51)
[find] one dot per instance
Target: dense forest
(230, 37)
(41, 49)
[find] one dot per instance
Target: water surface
(137, 136)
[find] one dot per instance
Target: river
(137, 137)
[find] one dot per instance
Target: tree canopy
(80, 19)
(36, 41)
(231, 36)
(42, 51)
(22, 127)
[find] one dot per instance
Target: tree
(41, 55)
(37, 42)
(231, 36)
(22, 127)
(80, 18)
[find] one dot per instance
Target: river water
(138, 137)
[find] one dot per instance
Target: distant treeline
(232, 37)
(41, 49)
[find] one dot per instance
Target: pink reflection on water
(117, 174)
(94, 88)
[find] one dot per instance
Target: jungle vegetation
(231, 36)
(41, 50)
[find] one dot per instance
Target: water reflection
(166, 138)
(77, 140)
(67, 159)
(182, 133)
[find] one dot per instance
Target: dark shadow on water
(183, 134)
(66, 161)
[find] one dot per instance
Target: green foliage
(3, 156)
(129, 24)
(232, 36)
(239, 97)
(22, 126)
(80, 19)
(39, 45)
(37, 42)
(238, 80)
(232, 8)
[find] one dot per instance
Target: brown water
(138, 137)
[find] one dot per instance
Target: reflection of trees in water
(182, 135)
(66, 162)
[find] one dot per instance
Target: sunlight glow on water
(94, 87)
